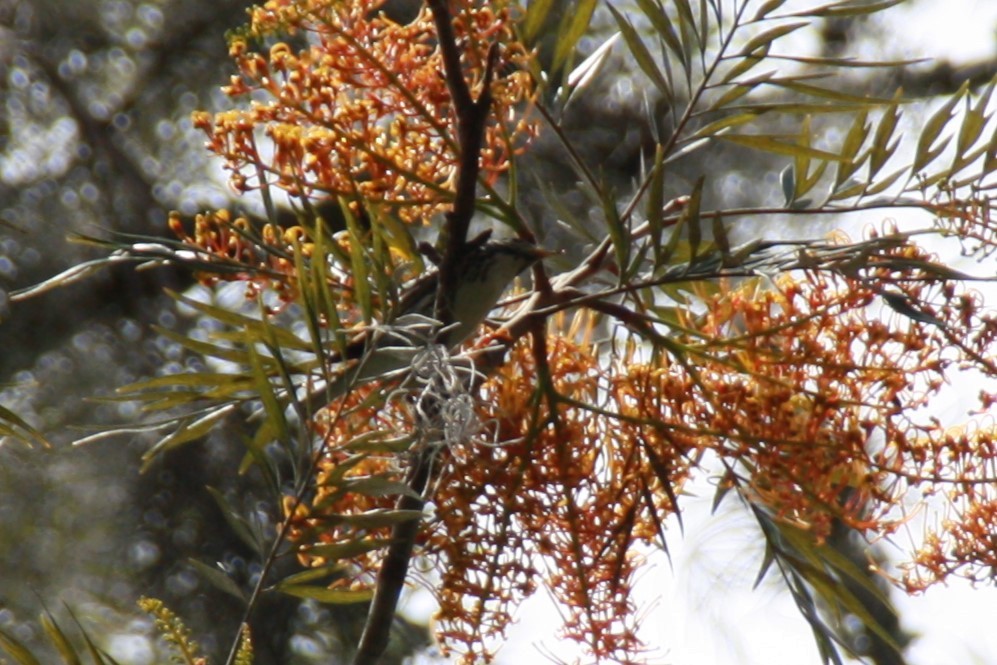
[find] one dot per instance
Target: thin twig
(471, 118)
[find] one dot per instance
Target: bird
(483, 272)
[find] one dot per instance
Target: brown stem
(471, 118)
(391, 576)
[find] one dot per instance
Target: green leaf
(975, 119)
(665, 29)
(724, 124)
(739, 90)
(272, 406)
(378, 486)
(884, 183)
(345, 550)
(376, 519)
(854, 140)
(16, 427)
(924, 154)
(327, 571)
(765, 38)
(205, 349)
(831, 93)
(768, 144)
(358, 265)
(881, 149)
(536, 18)
(746, 64)
(640, 53)
(585, 73)
(59, 640)
(573, 26)
(186, 431)
(687, 27)
(787, 179)
(253, 327)
(767, 560)
(16, 650)
(656, 201)
(240, 527)
(326, 595)
(690, 219)
(218, 579)
(767, 8)
(850, 8)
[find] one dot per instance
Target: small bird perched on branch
(481, 275)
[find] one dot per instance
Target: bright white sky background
(702, 610)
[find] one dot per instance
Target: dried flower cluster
(362, 110)
(809, 391)
(809, 394)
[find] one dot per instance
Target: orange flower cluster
(239, 252)
(561, 501)
(809, 396)
(344, 511)
(362, 110)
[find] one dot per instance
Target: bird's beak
(541, 253)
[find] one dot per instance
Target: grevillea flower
(358, 106)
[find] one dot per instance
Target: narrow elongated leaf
(584, 73)
(797, 108)
(378, 486)
(851, 8)
(222, 380)
(688, 26)
(218, 579)
(739, 90)
(15, 649)
(973, 122)
(691, 220)
(769, 144)
(854, 140)
(767, 8)
(727, 123)
(656, 201)
(830, 93)
(848, 62)
(767, 560)
(338, 551)
(58, 638)
(746, 64)
(272, 406)
(186, 433)
(246, 325)
(573, 27)
(376, 519)
(312, 574)
(16, 427)
(536, 18)
(640, 53)
(927, 150)
(205, 349)
(236, 522)
(885, 183)
(358, 267)
(881, 149)
(765, 38)
(326, 595)
(665, 29)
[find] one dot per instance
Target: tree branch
(471, 117)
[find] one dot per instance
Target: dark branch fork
(471, 118)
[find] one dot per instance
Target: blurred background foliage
(95, 137)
